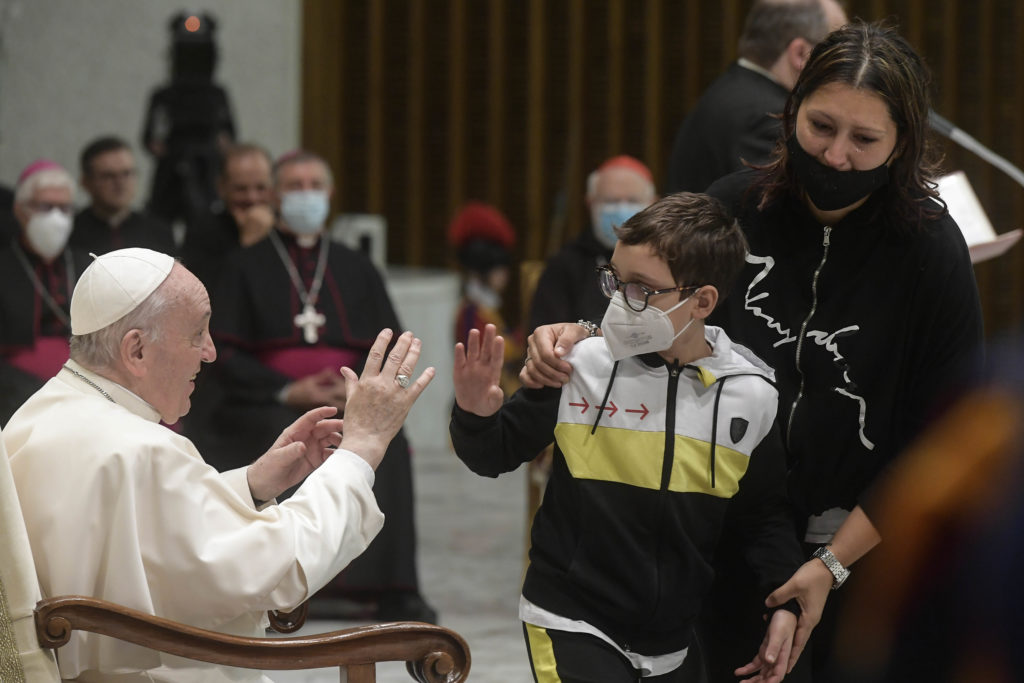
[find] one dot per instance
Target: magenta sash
(44, 359)
(302, 361)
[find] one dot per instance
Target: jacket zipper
(670, 425)
(803, 333)
(666, 467)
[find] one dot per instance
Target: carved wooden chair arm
(433, 654)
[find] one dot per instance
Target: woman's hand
(545, 349)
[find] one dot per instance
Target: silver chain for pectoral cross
(92, 384)
(308, 298)
(50, 302)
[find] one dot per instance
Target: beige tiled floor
(471, 533)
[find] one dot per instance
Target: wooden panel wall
(420, 105)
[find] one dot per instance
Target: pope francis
(119, 507)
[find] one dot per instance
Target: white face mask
(47, 233)
(305, 211)
(628, 333)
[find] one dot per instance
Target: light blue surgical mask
(305, 211)
(606, 216)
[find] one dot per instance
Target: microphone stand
(947, 128)
(996, 245)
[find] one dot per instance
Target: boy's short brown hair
(696, 236)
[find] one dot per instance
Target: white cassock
(120, 507)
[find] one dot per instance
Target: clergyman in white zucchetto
(120, 507)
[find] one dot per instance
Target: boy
(664, 440)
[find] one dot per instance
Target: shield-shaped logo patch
(737, 428)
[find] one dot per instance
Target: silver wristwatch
(591, 328)
(839, 572)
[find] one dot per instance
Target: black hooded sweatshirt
(871, 328)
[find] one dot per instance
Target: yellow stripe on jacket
(636, 458)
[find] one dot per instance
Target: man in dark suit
(243, 214)
(110, 221)
(736, 119)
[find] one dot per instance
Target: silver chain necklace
(309, 319)
(92, 384)
(50, 302)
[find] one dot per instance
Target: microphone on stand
(948, 129)
(963, 205)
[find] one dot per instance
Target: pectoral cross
(309, 320)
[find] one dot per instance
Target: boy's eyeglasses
(636, 294)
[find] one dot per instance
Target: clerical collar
(303, 241)
(757, 68)
(114, 221)
(103, 388)
(307, 241)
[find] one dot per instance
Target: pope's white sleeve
(211, 556)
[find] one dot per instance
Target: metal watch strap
(839, 572)
(591, 328)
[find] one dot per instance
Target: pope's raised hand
(379, 400)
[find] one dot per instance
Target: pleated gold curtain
(421, 105)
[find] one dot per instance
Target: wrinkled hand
(477, 373)
(545, 349)
(377, 406)
(302, 447)
(809, 586)
(770, 665)
(325, 388)
(253, 223)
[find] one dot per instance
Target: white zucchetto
(114, 284)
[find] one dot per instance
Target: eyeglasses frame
(620, 286)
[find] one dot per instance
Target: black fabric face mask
(828, 188)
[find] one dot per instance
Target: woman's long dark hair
(875, 58)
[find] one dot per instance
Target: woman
(858, 290)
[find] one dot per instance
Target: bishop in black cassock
(37, 275)
(262, 348)
(33, 336)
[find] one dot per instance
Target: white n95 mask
(47, 233)
(305, 211)
(628, 333)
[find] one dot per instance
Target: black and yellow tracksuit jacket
(652, 464)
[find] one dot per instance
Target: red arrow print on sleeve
(643, 413)
(583, 405)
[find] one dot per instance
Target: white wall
(71, 70)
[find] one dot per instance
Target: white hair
(50, 177)
(102, 348)
(595, 176)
